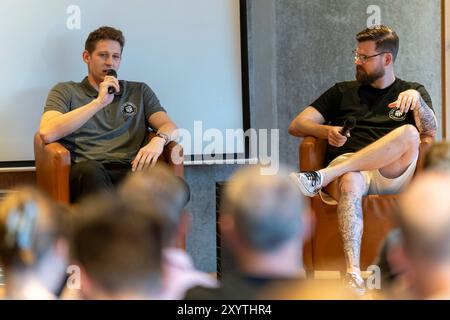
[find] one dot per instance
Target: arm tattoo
(425, 119)
(350, 218)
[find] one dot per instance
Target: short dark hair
(119, 244)
(104, 33)
(158, 188)
(385, 38)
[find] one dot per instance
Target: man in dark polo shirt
(105, 132)
(380, 154)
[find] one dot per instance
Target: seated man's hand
(104, 97)
(335, 138)
(148, 155)
(407, 100)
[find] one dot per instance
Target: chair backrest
(52, 168)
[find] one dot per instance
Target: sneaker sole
(293, 176)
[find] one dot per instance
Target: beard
(364, 78)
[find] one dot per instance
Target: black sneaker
(309, 182)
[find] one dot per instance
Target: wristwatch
(164, 136)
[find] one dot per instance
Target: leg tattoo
(350, 218)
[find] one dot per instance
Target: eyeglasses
(362, 58)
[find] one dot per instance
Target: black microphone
(111, 72)
(349, 124)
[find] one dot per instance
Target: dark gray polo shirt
(116, 132)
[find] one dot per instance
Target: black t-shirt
(374, 119)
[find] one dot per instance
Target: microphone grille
(350, 122)
(112, 72)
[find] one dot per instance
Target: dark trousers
(90, 177)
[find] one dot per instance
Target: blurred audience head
(438, 157)
(33, 244)
(425, 223)
(118, 247)
(392, 262)
(263, 215)
(159, 188)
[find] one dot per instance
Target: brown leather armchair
(53, 166)
(324, 251)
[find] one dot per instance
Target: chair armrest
(312, 153)
(52, 168)
(425, 145)
(172, 156)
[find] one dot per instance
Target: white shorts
(374, 181)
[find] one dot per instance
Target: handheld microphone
(349, 124)
(111, 72)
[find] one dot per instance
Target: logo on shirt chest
(128, 109)
(396, 115)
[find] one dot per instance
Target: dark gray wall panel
(201, 241)
(314, 43)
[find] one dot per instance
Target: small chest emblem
(396, 115)
(128, 109)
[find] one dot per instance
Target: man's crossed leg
(346, 182)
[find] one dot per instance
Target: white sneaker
(355, 282)
(309, 182)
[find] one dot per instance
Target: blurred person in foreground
(309, 290)
(391, 258)
(263, 223)
(33, 245)
(394, 267)
(117, 246)
(159, 187)
(438, 157)
(425, 223)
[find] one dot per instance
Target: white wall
(187, 51)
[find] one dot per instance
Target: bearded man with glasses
(380, 155)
